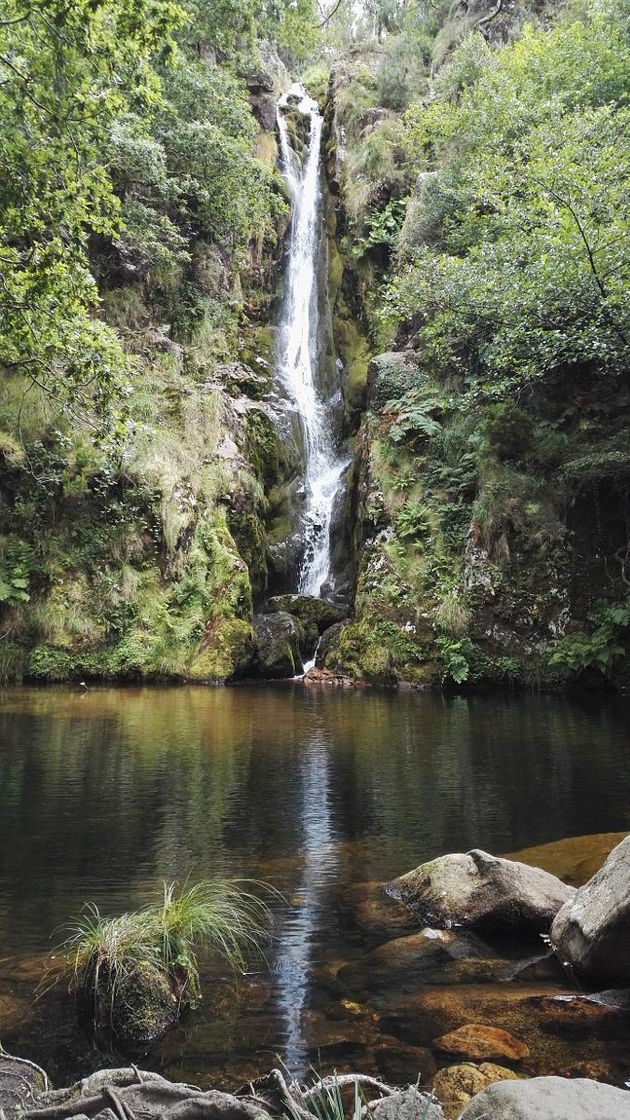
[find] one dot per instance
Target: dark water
(103, 795)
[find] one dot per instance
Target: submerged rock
(549, 1098)
(592, 930)
(279, 638)
(455, 1085)
(478, 1041)
(478, 890)
(574, 859)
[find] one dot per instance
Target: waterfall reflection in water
(294, 945)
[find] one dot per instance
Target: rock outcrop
(478, 890)
(591, 932)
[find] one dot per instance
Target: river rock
(478, 1041)
(477, 890)
(455, 1085)
(130, 1010)
(377, 912)
(592, 930)
(549, 1098)
(408, 1104)
(279, 638)
(399, 1063)
(574, 859)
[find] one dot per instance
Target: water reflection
(104, 795)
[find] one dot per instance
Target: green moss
(226, 652)
(354, 351)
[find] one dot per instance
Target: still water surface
(103, 795)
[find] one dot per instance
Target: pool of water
(104, 794)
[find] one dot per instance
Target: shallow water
(104, 794)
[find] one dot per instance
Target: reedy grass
(219, 915)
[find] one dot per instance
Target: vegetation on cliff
(475, 155)
(495, 471)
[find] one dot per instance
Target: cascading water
(300, 344)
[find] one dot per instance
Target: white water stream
(300, 344)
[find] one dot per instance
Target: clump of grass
(213, 914)
(105, 956)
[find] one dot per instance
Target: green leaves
(528, 275)
(16, 561)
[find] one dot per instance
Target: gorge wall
(481, 532)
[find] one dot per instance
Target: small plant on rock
(133, 973)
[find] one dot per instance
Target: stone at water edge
(408, 1104)
(279, 639)
(478, 1041)
(455, 1085)
(592, 930)
(549, 1098)
(477, 890)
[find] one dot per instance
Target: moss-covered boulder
(129, 1006)
(279, 640)
(315, 615)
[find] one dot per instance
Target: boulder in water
(279, 639)
(549, 1098)
(477, 890)
(592, 930)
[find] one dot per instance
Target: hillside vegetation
(476, 157)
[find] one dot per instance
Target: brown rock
(401, 1064)
(455, 1085)
(377, 913)
(478, 1041)
(573, 860)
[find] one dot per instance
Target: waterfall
(300, 344)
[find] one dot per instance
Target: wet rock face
(478, 890)
(279, 639)
(549, 1098)
(592, 930)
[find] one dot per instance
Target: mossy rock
(131, 1006)
(225, 653)
(380, 653)
(280, 638)
(354, 351)
(311, 611)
